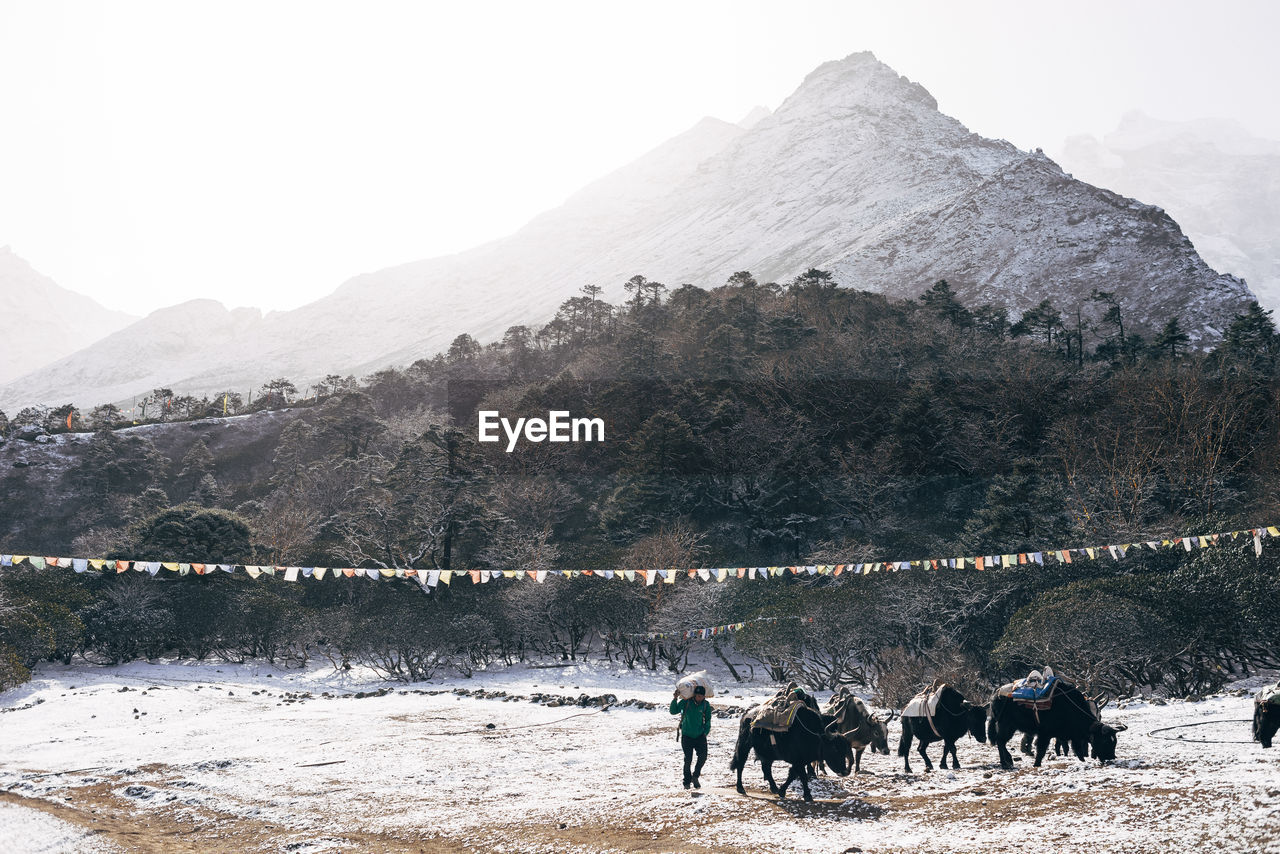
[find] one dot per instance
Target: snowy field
(183, 756)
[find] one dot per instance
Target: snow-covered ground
(34, 832)
(219, 757)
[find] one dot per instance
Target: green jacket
(695, 724)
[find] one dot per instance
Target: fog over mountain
(42, 321)
(1221, 184)
(857, 172)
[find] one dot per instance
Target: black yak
(1266, 718)
(806, 740)
(1071, 717)
(953, 717)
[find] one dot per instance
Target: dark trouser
(690, 744)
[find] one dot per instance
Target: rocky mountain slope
(857, 172)
(44, 322)
(1220, 182)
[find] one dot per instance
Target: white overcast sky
(260, 153)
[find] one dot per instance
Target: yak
(1072, 718)
(807, 740)
(859, 727)
(953, 718)
(1266, 720)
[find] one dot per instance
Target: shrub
(129, 621)
(12, 671)
(1092, 634)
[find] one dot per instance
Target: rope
(805, 727)
(1153, 732)
(1086, 710)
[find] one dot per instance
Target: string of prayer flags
(430, 578)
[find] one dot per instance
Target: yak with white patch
(1071, 717)
(807, 740)
(858, 725)
(953, 717)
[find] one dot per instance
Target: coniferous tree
(105, 416)
(1251, 339)
(1044, 320)
(1021, 511)
(114, 464)
(348, 423)
(197, 463)
(1171, 338)
(276, 393)
(992, 319)
(208, 493)
(942, 300)
(292, 453)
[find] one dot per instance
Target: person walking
(695, 723)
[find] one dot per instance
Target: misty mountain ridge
(1218, 180)
(856, 172)
(44, 321)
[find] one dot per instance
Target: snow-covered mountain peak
(857, 172)
(858, 82)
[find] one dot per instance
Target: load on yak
(939, 713)
(1266, 714)
(790, 729)
(858, 725)
(1050, 708)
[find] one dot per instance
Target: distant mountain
(179, 341)
(42, 321)
(1220, 182)
(857, 172)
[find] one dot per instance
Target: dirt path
(100, 812)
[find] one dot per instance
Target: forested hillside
(748, 425)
